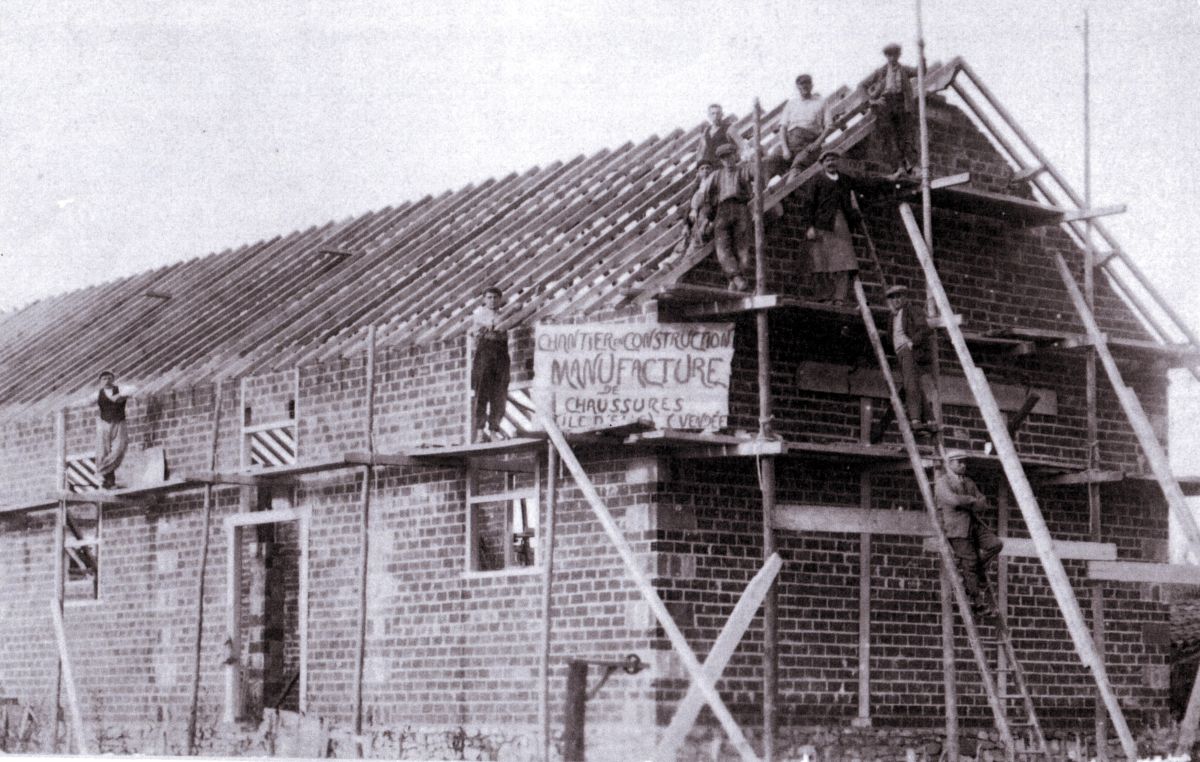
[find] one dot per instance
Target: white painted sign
(606, 374)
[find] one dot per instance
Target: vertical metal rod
(364, 537)
(547, 587)
(206, 526)
(766, 475)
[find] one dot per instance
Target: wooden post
(60, 486)
(766, 475)
(575, 711)
(864, 602)
(68, 679)
(207, 521)
(950, 680)
(634, 570)
(364, 538)
(1002, 511)
(1093, 428)
(547, 590)
(1022, 491)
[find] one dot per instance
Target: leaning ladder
(1159, 463)
(995, 701)
(1021, 489)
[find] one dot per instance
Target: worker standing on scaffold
(912, 341)
(489, 368)
(976, 547)
(890, 91)
(112, 437)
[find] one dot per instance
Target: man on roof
(827, 213)
(725, 200)
(803, 125)
(111, 435)
(976, 547)
(718, 132)
(490, 366)
(890, 91)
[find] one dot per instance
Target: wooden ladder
(995, 700)
(1002, 639)
(1022, 491)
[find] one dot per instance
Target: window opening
(81, 552)
(502, 519)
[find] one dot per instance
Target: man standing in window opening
(111, 435)
(976, 547)
(489, 368)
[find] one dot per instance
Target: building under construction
(307, 533)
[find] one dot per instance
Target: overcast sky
(134, 134)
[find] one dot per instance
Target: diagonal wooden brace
(674, 634)
(722, 650)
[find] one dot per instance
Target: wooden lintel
(1141, 571)
(1085, 477)
(850, 520)
(868, 382)
(1022, 547)
(1077, 215)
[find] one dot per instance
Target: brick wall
(818, 599)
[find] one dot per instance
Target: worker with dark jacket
(912, 341)
(725, 199)
(718, 132)
(827, 214)
(975, 545)
(890, 91)
(490, 367)
(112, 436)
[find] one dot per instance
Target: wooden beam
(954, 390)
(1023, 547)
(1024, 175)
(1091, 214)
(213, 477)
(634, 570)
(97, 496)
(850, 520)
(949, 181)
(1139, 571)
(718, 657)
(729, 307)
(1085, 477)
(475, 449)
(938, 322)
(356, 458)
(60, 636)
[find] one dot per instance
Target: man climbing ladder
(976, 547)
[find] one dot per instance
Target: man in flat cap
(827, 215)
(725, 199)
(912, 341)
(975, 545)
(890, 91)
(802, 126)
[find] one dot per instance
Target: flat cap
(891, 47)
(804, 78)
(956, 454)
(830, 152)
(725, 150)
(896, 290)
